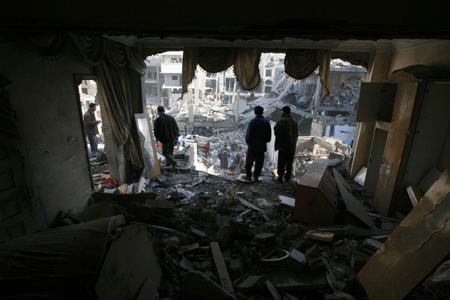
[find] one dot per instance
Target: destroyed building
(362, 220)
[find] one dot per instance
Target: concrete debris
(296, 260)
(249, 283)
(215, 240)
(360, 177)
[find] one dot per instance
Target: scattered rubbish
(414, 195)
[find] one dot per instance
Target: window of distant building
(174, 77)
(268, 89)
(281, 60)
(84, 90)
(268, 73)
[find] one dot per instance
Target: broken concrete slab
(131, 259)
(286, 201)
(199, 285)
(188, 248)
(296, 260)
(186, 264)
(360, 177)
(249, 283)
(197, 233)
(320, 236)
(372, 244)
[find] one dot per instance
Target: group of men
(258, 134)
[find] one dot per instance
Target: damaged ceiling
(230, 20)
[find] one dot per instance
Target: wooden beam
(416, 247)
(222, 269)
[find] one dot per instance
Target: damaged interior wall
(44, 95)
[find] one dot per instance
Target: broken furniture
(316, 195)
(416, 247)
(412, 119)
(60, 263)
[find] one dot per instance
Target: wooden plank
(404, 105)
(314, 174)
(392, 158)
(414, 194)
(415, 248)
(222, 269)
(353, 204)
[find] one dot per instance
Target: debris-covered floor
(217, 238)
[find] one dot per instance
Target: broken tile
(197, 233)
(296, 260)
(186, 264)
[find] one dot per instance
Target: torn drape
(92, 50)
(323, 59)
(301, 63)
(115, 88)
(109, 60)
(214, 60)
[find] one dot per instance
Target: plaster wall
(44, 96)
(436, 54)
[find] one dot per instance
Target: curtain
(300, 63)
(115, 88)
(214, 60)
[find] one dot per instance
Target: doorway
(88, 96)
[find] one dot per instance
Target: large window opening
(217, 111)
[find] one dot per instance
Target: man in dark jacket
(286, 135)
(259, 133)
(166, 131)
(91, 128)
(223, 156)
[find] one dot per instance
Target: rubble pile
(216, 238)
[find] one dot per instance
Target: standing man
(286, 135)
(259, 133)
(166, 131)
(240, 161)
(91, 128)
(224, 157)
